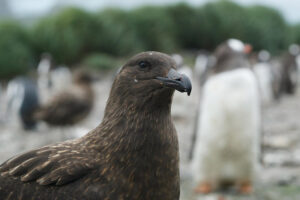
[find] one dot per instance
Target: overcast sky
(289, 8)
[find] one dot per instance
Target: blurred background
(44, 45)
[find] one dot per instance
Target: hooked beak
(177, 81)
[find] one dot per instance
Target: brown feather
(70, 106)
(132, 154)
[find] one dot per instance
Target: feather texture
(132, 154)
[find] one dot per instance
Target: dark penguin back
(29, 98)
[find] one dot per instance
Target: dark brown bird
(70, 106)
(132, 154)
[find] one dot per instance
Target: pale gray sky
(289, 8)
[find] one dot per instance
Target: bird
(132, 154)
(265, 77)
(227, 144)
(51, 78)
(289, 70)
(69, 106)
(43, 75)
(229, 55)
(60, 78)
(228, 139)
(22, 100)
(201, 64)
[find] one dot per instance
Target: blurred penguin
(43, 80)
(230, 55)
(22, 100)
(263, 72)
(289, 71)
(298, 68)
(52, 79)
(61, 78)
(201, 65)
(228, 138)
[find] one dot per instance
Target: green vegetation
(16, 55)
(72, 35)
(268, 29)
(67, 35)
(295, 34)
(154, 28)
(100, 61)
(114, 35)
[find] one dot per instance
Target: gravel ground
(280, 177)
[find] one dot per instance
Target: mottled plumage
(132, 154)
(69, 106)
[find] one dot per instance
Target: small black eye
(144, 64)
